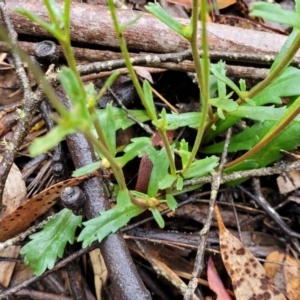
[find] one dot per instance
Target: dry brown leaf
(14, 190)
(7, 267)
(248, 276)
(289, 273)
(22, 216)
(13, 196)
(288, 182)
(100, 271)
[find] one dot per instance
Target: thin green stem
(168, 150)
(289, 116)
(126, 56)
(101, 137)
(286, 60)
(134, 78)
(117, 170)
(202, 75)
(51, 13)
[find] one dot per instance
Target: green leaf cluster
(273, 127)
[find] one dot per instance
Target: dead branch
(92, 25)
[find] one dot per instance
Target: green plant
(265, 138)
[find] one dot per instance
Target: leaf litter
(249, 279)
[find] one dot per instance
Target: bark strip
(92, 25)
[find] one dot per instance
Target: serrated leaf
(171, 202)
(167, 181)
(49, 244)
(224, 103)
(190, 119)
(260, 113)
(160, 168)
(88, 169)
(50, 140)
(287, 140)
(108, 222)
(202, 167)
(220, 113)
(284, 86)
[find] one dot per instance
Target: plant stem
(286, 60)
(168, 150)
(258, 88)
(203, 78)
(117, 170)
(287, 118)
(126, 56)
(101, 137)
(135, 80)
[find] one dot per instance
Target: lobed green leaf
(49, 244)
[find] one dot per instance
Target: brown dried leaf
(7, 267)
(288, 274)
(248, 276)
(21, 217)
(143, 73)
(288, 182)
(14, 190)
